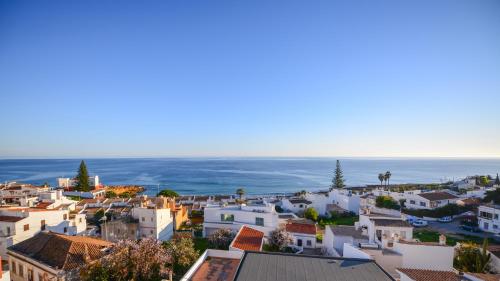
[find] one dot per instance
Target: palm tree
(240, 192)
(381, 178)
(387, 177)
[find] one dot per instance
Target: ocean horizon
(258, 175)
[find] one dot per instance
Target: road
(452, 228)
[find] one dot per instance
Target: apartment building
(261, 216)
(488, 218)
(19, 224)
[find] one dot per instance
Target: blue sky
(250, 78)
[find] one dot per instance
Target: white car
(419, 223)
(445, 219)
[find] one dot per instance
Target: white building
(155, 220)
(319, 201)
(19, 224)
(71, 182)
(296, 205)
(336, 235)
(346, 199)
(430, 200)
(303, 233)
(262, 217)
(488, 218)
(382, 229)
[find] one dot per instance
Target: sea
(256, 175)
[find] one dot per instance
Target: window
(42, 223)
(301, 206)
(8, 230)
(13, 267)
(308, 243)
(21, 270)
(151, 232)
(143, 219)
(486, 215)
(30, 274)
(26, 227)
(496, 216)
(259, 221)
(412, 202)
(65, 229)
(226, 217)
(495, 226)
(80, 220)
(422, 204)
(65, 216)
(151, 219)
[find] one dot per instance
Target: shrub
(386, 202)
(311, 214)
(168, 193)
(280, 239)
(448, 210)
(221, 239)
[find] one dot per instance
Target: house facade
(488, 218)
(430, 200)
(262, 217)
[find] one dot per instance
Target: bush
(221, 239)
(311, 214)
(110, 194)
(280, 239)
(386, 202)
(448, 210)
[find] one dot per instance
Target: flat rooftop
(216, 269)
(264, 266)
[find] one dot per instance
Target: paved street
(452, 228)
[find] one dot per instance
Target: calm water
(256, 175)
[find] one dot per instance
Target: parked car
(445, 219)
(419, 223)
(470, 228)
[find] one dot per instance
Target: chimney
(442, 239)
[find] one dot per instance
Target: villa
(261, 216)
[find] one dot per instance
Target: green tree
(168, 193)
(111, 194)
(311, 213)
(497, 180)
(386, 202)
(492, 196)
(82, 178)
(470, 258)
(240, 192)
(338, 179)
(387, 177)
(381, 178)
(483, 180)
(183, 254)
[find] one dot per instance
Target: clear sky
(250, 78)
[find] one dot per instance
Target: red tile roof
(429, 275)
(305, 228)
(248, 239)
(61, 251)
(215, 269)
(43, 205)
(10, 218)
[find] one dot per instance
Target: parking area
(453, 228)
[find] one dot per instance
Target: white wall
(351, 251)
(425, 256)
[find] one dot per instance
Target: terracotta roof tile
(248, 239)
(61, 251)
(305, 228)
(10, 219)
(429, 275)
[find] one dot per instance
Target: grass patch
(343, 220)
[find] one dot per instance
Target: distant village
(81, 228)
